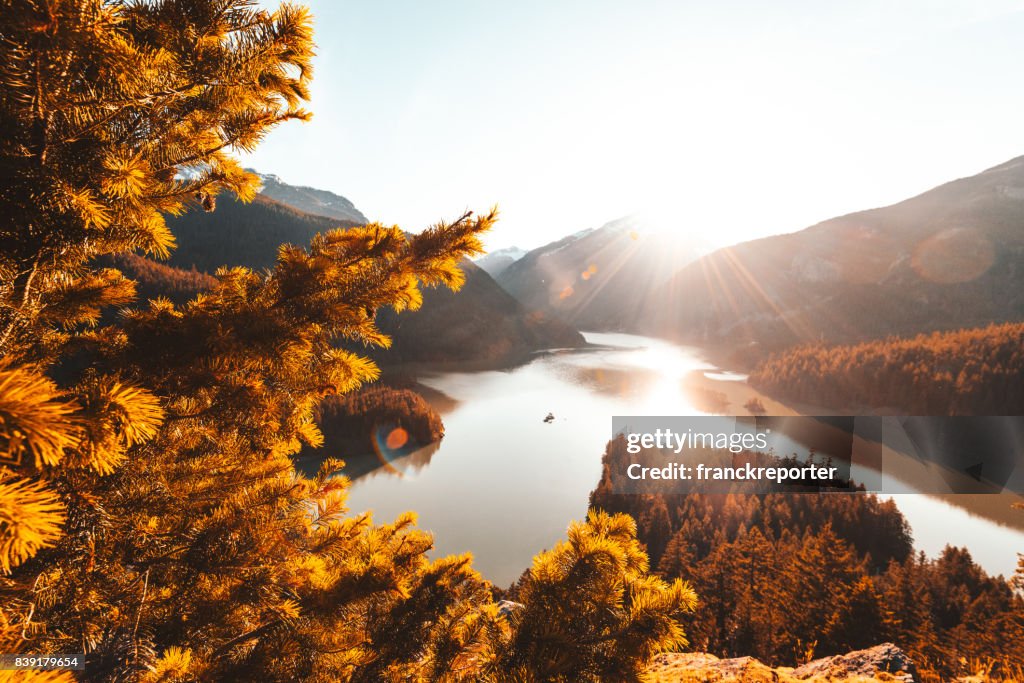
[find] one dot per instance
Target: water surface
(504, 483)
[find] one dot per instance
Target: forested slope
(963, 372)
(789, 577)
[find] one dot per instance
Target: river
(504, 483)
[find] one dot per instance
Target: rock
(881, 658)
(694, 666)
(506, 607)
(884, 662)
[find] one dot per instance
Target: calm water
(504, 484)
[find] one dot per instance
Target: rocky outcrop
(885, 658)
(884, 662)
(700, 666)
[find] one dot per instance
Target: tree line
(964, 372)
(371, 427)
(788, 577)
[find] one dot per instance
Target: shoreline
(507, 362)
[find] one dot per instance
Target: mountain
(598, 278)
(495, 262)
(949, 258)
(239, 234)
(481, 323)
(310, 200)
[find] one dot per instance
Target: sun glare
(669, 369)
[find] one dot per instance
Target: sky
(724, 118)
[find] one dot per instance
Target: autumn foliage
(787, 577)
(150, 513)
(965, 372)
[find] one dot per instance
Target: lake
(504, 483)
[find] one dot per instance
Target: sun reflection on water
(653, 377)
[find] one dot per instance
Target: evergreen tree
(656, 521)
(762, 595)
(150, 514)
(823, 574)
(113, 114)
(592, 613)
(719, 586)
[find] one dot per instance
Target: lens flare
(952, 256)
(392, 444)
(396, 438)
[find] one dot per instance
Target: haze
(735, 119)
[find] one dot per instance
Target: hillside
(952, 257)
(481, 323)
(598, 279)
(965, 372)
(238, 234)
(153, 279)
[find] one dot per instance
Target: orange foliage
(964, 372)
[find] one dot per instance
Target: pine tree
(720, 587)
(822, 576)
(113, 114)
(762, 594)
(150, 513)
(592, 613)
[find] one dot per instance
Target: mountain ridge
(947, 258)
(497, 261)
(310, 200)
(597, 278)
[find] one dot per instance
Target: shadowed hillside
(154, 279)
(481, 323)
(952, 257)
(789, 577)
(239, 234)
